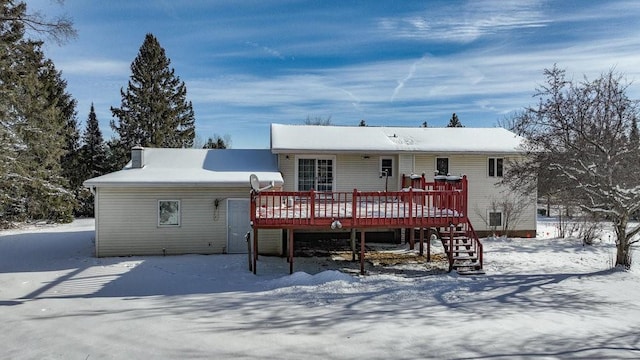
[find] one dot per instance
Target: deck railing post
(354, 208)
(465, 192)
(253, 208)
(410, 205)
(312, 207)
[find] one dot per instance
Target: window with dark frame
(386, 166)
(495, 167)
(495, 219)
(442, 166)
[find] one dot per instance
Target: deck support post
(290, 233)
(362, 252)
(450, 255)
(421, 241)
(255, 250)
(429, 245)
(353, 244)
(412, 238)
(249, 250)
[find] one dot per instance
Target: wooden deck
(437, 204)
(421, 205)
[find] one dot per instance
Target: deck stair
(463, 248)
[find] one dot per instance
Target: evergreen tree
(216, 142)
(93, 151)
(34, 109)
(93, 162)
(454, 121)
(70, 160)
(154, 111)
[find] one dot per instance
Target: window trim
(391, 172)
(495, 167)
(315, 157)
(436, 165)
(179, 223)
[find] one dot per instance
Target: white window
(442, 166)
(386, 166)
(168, 212)
(495, 167)
(315, 173)
(495, 219)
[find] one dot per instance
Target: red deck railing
(436, 204)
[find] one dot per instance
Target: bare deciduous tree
(59, 29)
(318, 121)
(582, 138)
(512, 207)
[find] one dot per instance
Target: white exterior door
(238, 224)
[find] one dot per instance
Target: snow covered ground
(541, 298)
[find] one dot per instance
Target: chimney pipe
(137, 157)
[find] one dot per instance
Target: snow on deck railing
(436, 204)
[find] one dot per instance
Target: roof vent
(137, 157)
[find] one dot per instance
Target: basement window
(168, 213)
(495, 219)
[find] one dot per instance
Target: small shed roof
(195, 167)
(371, 139)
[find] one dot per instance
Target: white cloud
(412, 71)
(466, 23)
(94, 67)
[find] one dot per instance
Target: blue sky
(247, 64)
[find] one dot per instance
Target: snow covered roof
(319, 139)
(195, 167)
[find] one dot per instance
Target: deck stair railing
(463, 248)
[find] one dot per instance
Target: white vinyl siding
(127, 223)
(362, 172)
(482, 189)
(351, 171)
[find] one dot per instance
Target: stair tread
(459, 245)
(470, 272)
(465, 257)
(467, 264)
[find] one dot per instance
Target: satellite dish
(255, 183)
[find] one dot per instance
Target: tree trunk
(623, 253)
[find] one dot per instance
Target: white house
(342, 158)
(175, 201)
